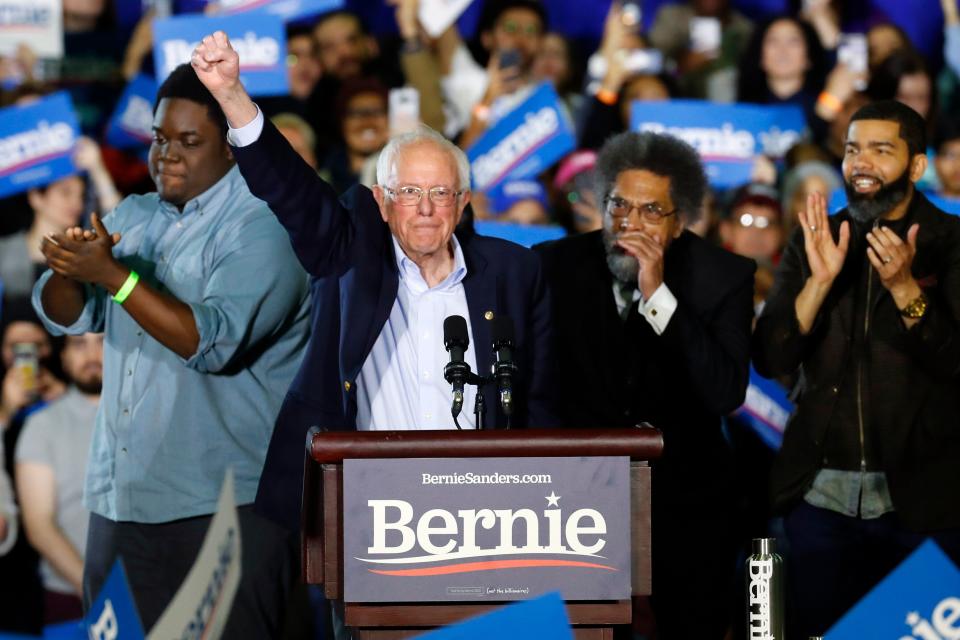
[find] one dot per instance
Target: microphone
(503, 367)
(456, 340)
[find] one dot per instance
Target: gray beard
(624, 267)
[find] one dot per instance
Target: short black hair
(493, 9)
(913, 129)
(184, 83)
(660, 154)
(341, 13)
(947, 130)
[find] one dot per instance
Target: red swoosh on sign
(488, 566)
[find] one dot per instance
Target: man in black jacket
(653, 325)
(865, 309)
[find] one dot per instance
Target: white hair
(387, 162)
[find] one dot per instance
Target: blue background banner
(919, 599)
(114, 609)
(523, 143)
(259, 38)
(37, 143)
(728, 137)
(131, 124)
(287, 9)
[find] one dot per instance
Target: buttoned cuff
(248, 133)
(659, 308)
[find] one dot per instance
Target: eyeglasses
(759, 222)
(651, 212)
(409, 196)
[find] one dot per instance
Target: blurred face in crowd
(753, 230)
(60, 204)
(641, 88)
(784, 51)
(342, 46)
(552, 63)
(303, 67)
(947, 164)
(189, 153)
(877, 168)
(365, 126)
(81, 15)
(82, 358)
(914, 91)
(518, 29)
(798, 203)
(641, 189)
(21, 332)
(299, 143)
(422, 229)
(882, 40)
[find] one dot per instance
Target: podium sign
(486, 529)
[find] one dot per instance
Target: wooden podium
(322, 529)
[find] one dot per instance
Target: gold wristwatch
(915, 308)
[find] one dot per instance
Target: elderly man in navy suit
(387, 269)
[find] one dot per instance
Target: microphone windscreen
(502, 330)
(455, 332)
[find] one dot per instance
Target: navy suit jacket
(346, 247)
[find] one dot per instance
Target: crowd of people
(280, 262)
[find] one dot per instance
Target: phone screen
(404, 110)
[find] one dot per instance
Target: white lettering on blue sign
(254, 52)
(944, 623)
(23, 15)
(197, 627)
(137, 118)
(535, 130)
(711, 142)
(35, 144)
(106, 627)
(561, 537)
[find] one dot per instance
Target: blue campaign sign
(525, 234)
(113, 614)
(765, 409)
(259, 39)
(919, 599)
(544, 617)
(289, 10)
(728, 137)
(523, 143)
(131, 124)
(36, 143)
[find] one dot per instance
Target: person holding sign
(204, 310)
(387, 270)
(866, 309)
(654, 324)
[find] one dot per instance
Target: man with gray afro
(653, 325)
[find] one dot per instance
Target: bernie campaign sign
(114, 614)
(287, 9)
(728, 137)
(36, 23)
(919, 600)
(523, 143)
(259, 39)
(131, 124)
(36, 143)
(765, 409)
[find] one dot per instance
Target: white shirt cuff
(248, 133)
(659, 308)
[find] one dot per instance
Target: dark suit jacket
(347, 249)
(616, 374)
(911, 394)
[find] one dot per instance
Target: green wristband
(121, 296)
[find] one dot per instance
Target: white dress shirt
(657, 310)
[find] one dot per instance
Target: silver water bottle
(765, 592)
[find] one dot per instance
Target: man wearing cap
(654, 326)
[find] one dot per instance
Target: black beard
(864, 207)
(622, 265)
(89, 387)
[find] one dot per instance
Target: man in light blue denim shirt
(205, 312)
